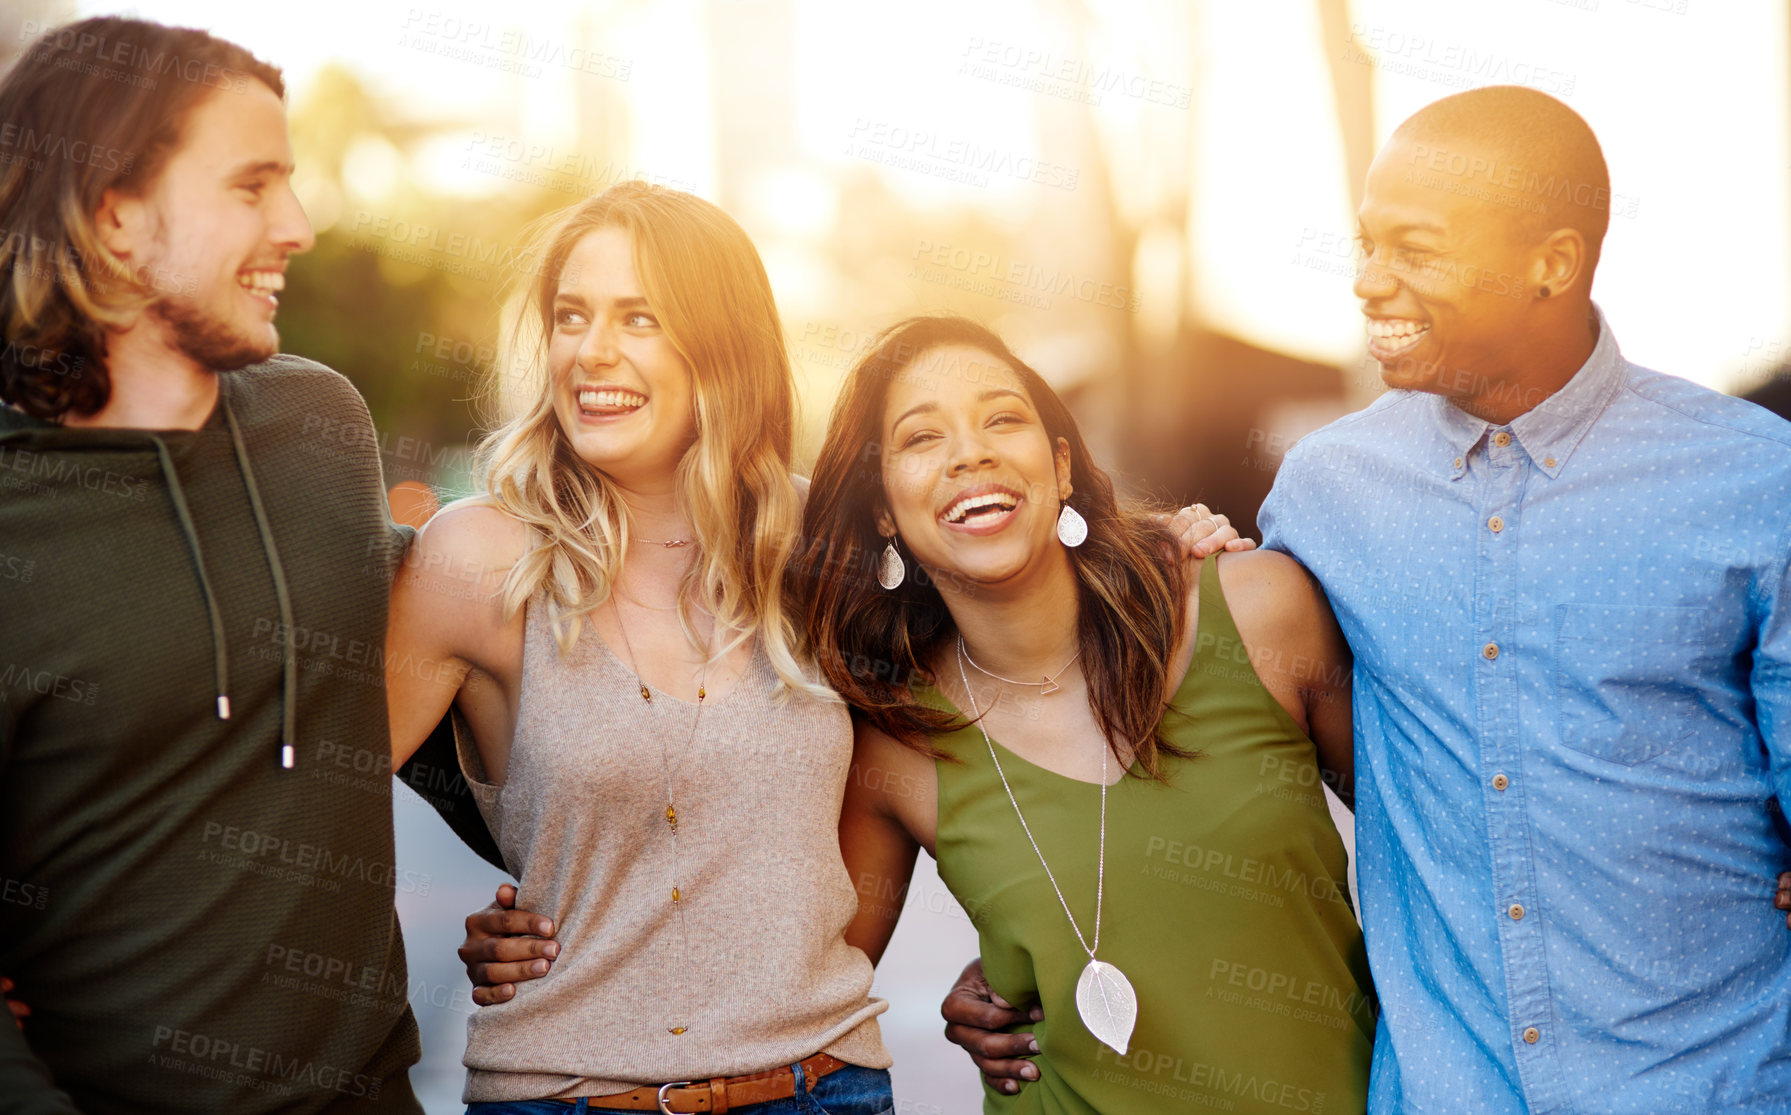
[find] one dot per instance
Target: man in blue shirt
(1564, 578)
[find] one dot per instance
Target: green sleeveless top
(1226, 907)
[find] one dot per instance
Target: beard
(208, 340)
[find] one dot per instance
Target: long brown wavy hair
(872, 644)
(90, 106)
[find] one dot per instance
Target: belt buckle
(664, 1088)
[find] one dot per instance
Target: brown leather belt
(686, 1097)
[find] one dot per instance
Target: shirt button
(1458, 462)
(1495, 524)
(1491, 650)
(1550, 463)
(1516, 911)
(1500, 782)
(1532, 1035)
(1501, 439)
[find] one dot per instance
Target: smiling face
(971, 479)
(1446, 278)
(624, 395)
(212, 235)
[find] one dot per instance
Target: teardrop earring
(891, 570)
(1072, 528)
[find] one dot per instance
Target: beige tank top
(762, 975)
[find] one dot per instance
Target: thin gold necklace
(1046, 687)
(670, 775)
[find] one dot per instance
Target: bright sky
(1689, 98)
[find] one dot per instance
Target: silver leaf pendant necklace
(1104, 997)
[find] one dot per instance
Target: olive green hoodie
(197, 878)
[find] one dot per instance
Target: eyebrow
(632, 302)
(920, 408)
(266, 166)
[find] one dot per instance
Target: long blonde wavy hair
(705, 283)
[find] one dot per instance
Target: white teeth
(262, 282)
(964, 508)
(1394, 329)
(610, 397)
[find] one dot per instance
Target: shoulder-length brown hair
(871, 643)
(89, 107)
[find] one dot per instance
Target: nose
(1374, 280)
(970, 451)
(291, 229)
(598, 348)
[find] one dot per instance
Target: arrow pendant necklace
(1104, 997)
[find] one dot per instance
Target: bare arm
(1299, 653)
(446, 630)
(890, 793)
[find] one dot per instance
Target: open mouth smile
(596, 401)
(263, 284)
(1392, 337)
(984, 508)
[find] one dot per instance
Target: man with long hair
(195, 816)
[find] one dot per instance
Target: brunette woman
(1113, 755)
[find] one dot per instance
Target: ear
(1064, 488)
(1560, 263)
(885, 523)
(122, 223)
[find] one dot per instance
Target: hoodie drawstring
(220, 661)
(289, 653)
(220, 657)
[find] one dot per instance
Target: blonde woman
(660, 770)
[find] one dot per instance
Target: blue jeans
(848, 1091)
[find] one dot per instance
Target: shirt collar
(1551, 430)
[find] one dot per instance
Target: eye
(640, 319)
(1364, 244)
(567, 319)
(917, 437)
(1007, 417)
(253, 189)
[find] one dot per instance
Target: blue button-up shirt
(1573, 712)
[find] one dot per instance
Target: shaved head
(1521, 151)
(1480, 226)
